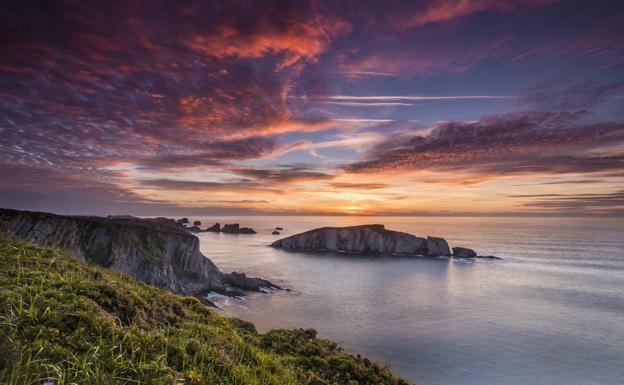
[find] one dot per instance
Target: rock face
(464, 252)
(437, 246)
(214, 228)
(364, 239)
(369, 239)
(155, 251)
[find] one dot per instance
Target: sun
(354, 209)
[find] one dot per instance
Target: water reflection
(550, 313)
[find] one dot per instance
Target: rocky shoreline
(373, 239)
(156, 251)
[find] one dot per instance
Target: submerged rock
(279, 228)
(275, 232)
(488, 257)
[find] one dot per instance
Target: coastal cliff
(65, 321)
(370, 239)
(153, 251)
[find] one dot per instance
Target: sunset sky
(442, 107)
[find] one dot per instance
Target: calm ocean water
(552, 312)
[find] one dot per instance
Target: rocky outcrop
(155, 251)
(236, 229)
(240, 280)
(464, 252)
(214, 228)
(356, 239)
(365, 239)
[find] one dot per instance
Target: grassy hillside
(66, 322)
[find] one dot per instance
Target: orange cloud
(444, 10)
(297, 40)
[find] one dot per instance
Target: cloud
(300, 34)
(508, 144)
(206, 186)
(359, 186)
(446, 10)
(287, 174)
(558, 95)
(414, 97)
(433, 37)
(96, 84)
(611, 202)
(393, 100)
(367, 104)
(140, 100)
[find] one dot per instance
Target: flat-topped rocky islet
(372, 239)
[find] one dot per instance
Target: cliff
(65, 321)
(154, 251)
(369, 239)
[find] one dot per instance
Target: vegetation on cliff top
(65, 322)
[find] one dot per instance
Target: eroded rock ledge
(156, 251)
(372, 239)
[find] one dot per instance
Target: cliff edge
(149, 250)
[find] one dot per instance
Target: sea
(551, 312)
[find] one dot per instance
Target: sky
(435, 107)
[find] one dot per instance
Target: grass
(66, 322)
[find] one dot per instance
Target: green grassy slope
(67, 322)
